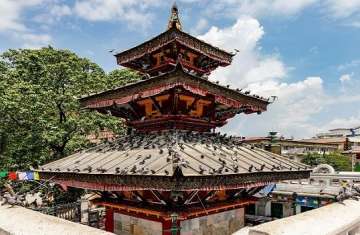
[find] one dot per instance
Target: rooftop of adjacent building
(340, 132)
(294, 142)
(324, 182)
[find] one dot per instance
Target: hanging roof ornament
(174, 20)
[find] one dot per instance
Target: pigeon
(251, 168)
(202, 169)
(133, 169)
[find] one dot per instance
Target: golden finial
(174, 20)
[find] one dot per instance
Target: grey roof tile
(159, 154)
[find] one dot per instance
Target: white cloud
(351, 64)
(243, 35)
(249, 65)
(259, 8)
(345, 77)
(291, 114)
(52, 15)
(343, 8)
(347, 12)
(35, 40)
(132, 11)
(299, 104)
(60, 10)
(201, 25)
(10, 13)
(346, 122)
(12, 23)
(314, 50)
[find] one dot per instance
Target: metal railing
(69, 211)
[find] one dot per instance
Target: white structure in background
(340, 132)
(294, 197)
(346, 139)
(334, 219)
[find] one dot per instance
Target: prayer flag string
(20, 175)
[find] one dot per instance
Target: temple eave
(171, 80)
(173, 122)
(107, 182)
(170, 36)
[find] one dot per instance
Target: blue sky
(306, 52)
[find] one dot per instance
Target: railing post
(84, 211)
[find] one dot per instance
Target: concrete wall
(288, 209)
(263, 207)
(224, 223)
(22, 221)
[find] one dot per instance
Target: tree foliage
(335, 159)
(40, 115)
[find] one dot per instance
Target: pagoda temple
(171, 173)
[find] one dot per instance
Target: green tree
(40, 115)
(121, 77)
(337, 160)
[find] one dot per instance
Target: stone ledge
(333, 219)
(21, 221)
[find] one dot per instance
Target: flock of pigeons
(9, 197)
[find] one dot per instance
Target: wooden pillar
(109, 220)
(167, 227)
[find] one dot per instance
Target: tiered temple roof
(170, 160)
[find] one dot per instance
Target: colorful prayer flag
(3, 174)
(36, 176)
(30, 175)
(12, 175)
(22, 176)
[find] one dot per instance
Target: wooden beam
(192, 105)
(156, 104)
(133, 108)
(190, 197)
(160, 197)
(219, 208)
(162, 202)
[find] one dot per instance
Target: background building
(293, 149)
(294, 197)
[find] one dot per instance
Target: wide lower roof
(179, 158)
